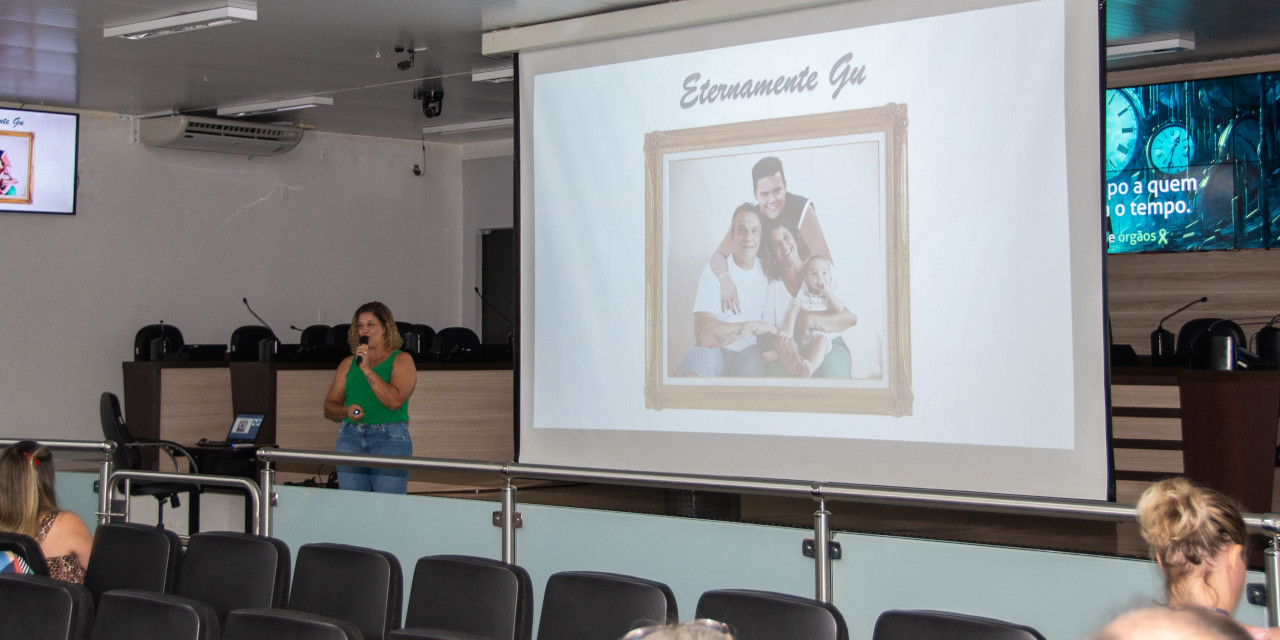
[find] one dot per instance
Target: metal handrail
(821, 492)
(1267, 524)
(65, 445)
(127, 476)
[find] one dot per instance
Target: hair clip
(35, 462)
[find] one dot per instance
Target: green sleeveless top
(358, 392)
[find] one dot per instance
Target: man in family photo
(725, 341)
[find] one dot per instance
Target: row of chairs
(236, 586)
(318, 343)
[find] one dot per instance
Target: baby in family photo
(817, 293)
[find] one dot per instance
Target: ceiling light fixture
(1151, 47)
(494, 76)
(233, 12)
(465, 127)
(274, 106)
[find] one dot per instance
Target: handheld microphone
(1162, 339)
(259, 318)
(363, 340)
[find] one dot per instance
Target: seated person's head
(1160, 623)
(1197, 536)
(692, 630)
(42, 459)
(19, 492)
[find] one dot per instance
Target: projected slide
(37, 161)
(858, 242)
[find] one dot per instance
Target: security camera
(432, 101)
(405, 65)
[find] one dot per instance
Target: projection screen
(905, 199)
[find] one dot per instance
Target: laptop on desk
(243, 432)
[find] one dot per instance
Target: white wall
(488, 203)
(182, 236)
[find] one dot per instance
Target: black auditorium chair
(133, 556)
(244, 342)
(426, 335)
(928, 625)
(135, 614)
(468, 597)
(455, 343)
(231, 570)
(426, 338)
(312, 344)
(404, 327)
(765, 615)
(335, 343)
(338, 336)
(27, 548)
(279, 624)
(1193, 330)
(314, 336)
(142, 340)
(586, 605)
(42, 608)
(128, 456)
(360, 585)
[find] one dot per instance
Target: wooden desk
(179, 401)
(458, 411)
(1216, 427)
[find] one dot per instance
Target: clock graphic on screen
(1123, 121)
(1171, 148)
(1241, 140)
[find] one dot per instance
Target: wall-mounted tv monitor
(1192, 166)
(38, 161)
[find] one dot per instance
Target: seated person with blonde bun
(1197, 536)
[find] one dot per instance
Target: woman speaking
(370, 396)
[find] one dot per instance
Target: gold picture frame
(877, 134)
(16, 177)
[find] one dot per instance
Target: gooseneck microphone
(1162, 339)
(258, 317)
(363, 340)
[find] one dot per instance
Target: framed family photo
(16, 166)
(777, 270)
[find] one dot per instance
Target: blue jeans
(390, 439)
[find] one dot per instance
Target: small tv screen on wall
(38, 161)
(1193, 166)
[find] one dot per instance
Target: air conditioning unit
(222, 136)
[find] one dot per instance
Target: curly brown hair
(383, 314)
